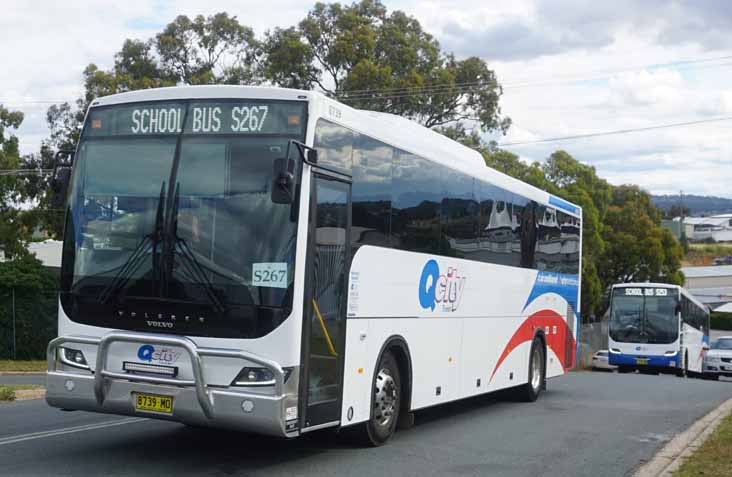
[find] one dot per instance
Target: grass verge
(7, 391)
(9, 365)
(713, 457)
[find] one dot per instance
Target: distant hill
(697, 204)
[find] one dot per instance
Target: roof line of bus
(394, 130)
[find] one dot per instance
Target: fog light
(247, 406)
(69, 385)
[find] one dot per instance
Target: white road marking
(67, 430)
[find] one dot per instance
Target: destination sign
(200, 117)
(646, 292)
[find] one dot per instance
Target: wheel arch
(398, 346)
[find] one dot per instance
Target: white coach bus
(274, 261)
(657, 328)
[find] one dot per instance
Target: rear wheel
(684, 370)
(530, 391)
(385, 403)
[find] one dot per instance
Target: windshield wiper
(137, 257)
(191, 263)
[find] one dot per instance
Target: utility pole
(14, 344)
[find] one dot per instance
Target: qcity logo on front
(158, 355)
(445, 290)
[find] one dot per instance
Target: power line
(400, 92)
(616, 132)
(24, 172)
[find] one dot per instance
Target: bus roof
(391, 129)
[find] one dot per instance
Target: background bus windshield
(173, 224)
(644, 315)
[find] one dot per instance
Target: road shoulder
(670, 458)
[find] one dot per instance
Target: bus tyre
(530, 391)
(684, 369)
(385, 402)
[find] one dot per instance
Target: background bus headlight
(73, 357)
(254, 377)
(712, 359)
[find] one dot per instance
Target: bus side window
(371, 192)
(416, 201)
(335, 146)
(459, 215)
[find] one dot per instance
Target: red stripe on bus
(557, 340)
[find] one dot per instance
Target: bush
(721, 321)
(36, 308)
(7, 393)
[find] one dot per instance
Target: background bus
(657, 327)
(272, 260)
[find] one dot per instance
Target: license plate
(641, 361)
(153, 402)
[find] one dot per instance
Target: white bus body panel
(483, 332)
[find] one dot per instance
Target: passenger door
(325, 299)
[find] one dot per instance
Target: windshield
(177, 230)
(722, 343)
(644, 315)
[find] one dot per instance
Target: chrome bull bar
(195, 353)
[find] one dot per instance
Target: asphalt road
(599, 424)
(23, 379)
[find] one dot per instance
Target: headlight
(72, 357)
(712, 359)
(254, 377)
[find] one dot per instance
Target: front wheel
(530, 391)
(385, 403)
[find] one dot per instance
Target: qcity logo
(435, 288)
(163, 355)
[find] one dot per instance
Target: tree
(34, 288)
(372, 59)
(638, 248)
(208, 50)
(15, 224)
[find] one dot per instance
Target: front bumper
(194, 402)
(716, 368)
(75, 391)
(642, 361)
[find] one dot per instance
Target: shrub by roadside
(7, 393)
(721, 321)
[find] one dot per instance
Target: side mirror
(63, 160)
(60, 185)
(678, 308)
(311, 156)
(283, 181)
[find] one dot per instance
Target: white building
(716, 227)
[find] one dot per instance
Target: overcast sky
(569, 67)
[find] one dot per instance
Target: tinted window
(335, 146)
(460, 215)
(371, 194)
(498, 226)
(416, 202)
(569, 227)
(549, 256)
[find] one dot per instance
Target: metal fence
(593, 337)
(28, 321)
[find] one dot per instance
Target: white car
(600, 361)
(718, 360)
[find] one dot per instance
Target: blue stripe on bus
(630, 360)
(563, 204)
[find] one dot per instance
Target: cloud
(541, 48)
